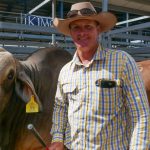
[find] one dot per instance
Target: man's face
(85, 33)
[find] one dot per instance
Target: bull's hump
(2, 49)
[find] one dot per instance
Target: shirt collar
(100, 53)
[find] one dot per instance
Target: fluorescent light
(136, 41)
(38, 6)
(132, 20)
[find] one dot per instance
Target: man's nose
(82, 30)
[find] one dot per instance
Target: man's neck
(87, 55)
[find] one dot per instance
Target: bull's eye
(10, 76)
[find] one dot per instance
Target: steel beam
(140, 50)
(131, 28)
(22, 27)
(104, 5)
(38, 6)
(131, 36)
(24, 36)
(53, 16)
(24, 43)
(33, 44)
(131, 44)
(32, 36)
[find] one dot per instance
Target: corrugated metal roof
(141, 7)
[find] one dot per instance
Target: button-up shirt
(102, 106)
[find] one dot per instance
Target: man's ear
(25, 89)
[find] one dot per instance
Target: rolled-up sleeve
(137, 106)
(60, 113)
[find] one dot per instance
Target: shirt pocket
(110, 100)
(72, 91)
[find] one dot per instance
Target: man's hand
(56, 146)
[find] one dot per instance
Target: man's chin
(81, 45)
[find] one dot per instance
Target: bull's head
(13, 79)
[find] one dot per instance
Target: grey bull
(19, 81)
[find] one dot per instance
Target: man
(100, 98)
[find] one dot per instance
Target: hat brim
(106, 20)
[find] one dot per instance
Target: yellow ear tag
(32, 106)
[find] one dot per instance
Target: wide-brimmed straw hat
(85, 10)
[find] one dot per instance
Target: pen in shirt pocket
(106, 83)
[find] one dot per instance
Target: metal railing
(32, 32)
(29, 31)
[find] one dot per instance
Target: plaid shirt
(113, 115)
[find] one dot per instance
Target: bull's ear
(25, 88)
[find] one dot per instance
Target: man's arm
(60, 114)
(137, 104)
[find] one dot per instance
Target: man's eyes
(89, 27)
(77, 28)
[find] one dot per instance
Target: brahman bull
(144, 67)
(19, 81)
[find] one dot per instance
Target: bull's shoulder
(52, 54)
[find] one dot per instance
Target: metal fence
(25, 33)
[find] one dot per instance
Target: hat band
(81, 12)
